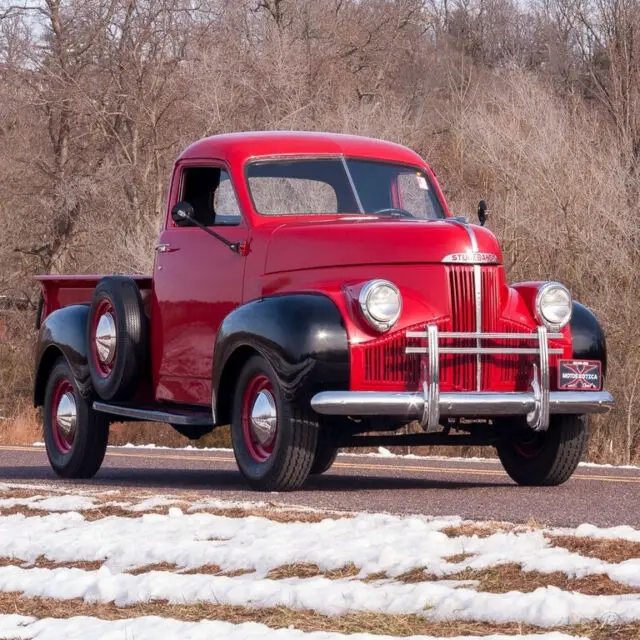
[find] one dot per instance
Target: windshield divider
(353, 184)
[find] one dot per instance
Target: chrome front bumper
(430, 405)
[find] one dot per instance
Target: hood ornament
(471, 257)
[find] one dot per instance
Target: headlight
(381, 303)
(553, 305)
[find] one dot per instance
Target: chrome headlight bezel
(377, 320)
(553, 322)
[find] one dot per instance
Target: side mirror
(482, 212)
(182, 213)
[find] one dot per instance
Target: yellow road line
(348, 465)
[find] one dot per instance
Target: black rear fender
(303, 336)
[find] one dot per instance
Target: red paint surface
(199, 280)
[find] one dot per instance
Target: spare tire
(117, 334)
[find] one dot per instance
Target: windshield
(335, 185)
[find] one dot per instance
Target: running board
(183, 417)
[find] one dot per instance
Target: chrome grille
(385, 363)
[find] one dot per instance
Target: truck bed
(63, 291)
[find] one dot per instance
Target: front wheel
(543, 458)
(274, 440)
(326, 454)
(75, 435)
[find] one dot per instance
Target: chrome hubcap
(67, 415)
(264, 418)
(106, 338)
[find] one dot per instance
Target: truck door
(197, 281)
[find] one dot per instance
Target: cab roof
(240, 147)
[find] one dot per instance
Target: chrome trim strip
(477, 285)
(353, 184)
(485, 404)
(486, 350)
(484, 336)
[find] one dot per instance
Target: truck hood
(374, 240)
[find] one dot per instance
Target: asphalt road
(478, 490)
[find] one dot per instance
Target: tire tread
(568, 437)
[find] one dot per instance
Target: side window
(210, 192)
(225, 204)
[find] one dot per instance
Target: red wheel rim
(102, 346)
(531, 447)
(259, 418)
(64, 416)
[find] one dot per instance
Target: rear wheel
(75, 435)
(274, 440)
(543, 458)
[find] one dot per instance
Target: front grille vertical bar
(431, 387)
(543, 418)
(477, 283)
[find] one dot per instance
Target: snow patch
(152, 628)
(544, 607)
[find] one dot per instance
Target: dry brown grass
(412, 576)
(609, 550)
(308, 570)
(44, 563)
(18, 494)
(162, 434)
(159, 566)
(511, 577)
(269, 512)
(282, 617)
(25, 427)
(88, 514)
(480, 529)
(205, 569)
(234, 573)
(456, 558)
(276, 514)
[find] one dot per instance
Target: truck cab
(315, 292)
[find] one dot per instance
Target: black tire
(118, 379)
(326, 454)
(82, 455)
(546, 458)
(285, 464)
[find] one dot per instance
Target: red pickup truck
(314, 292)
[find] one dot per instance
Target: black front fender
(62, 332)
(303, 337)
(588, 337)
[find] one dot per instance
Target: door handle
(166, 248)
